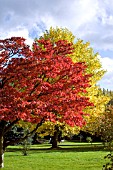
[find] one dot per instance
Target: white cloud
(19, 32)
(90, 20)
(107, 64)
(107, 81)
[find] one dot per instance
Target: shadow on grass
(81, 149)
(63, 148)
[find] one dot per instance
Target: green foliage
(108, 165)
(89, 139)
(25, 145)
(105, 129)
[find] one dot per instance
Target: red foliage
(41, 84)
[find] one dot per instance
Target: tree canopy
(42, 84)
(82, 52)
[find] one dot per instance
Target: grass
(70, 156)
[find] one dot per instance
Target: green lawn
(70, 156)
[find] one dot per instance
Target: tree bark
(54, 140)
(1, 152)
(2, 127)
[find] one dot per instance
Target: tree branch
(7, 128)
(7, 143)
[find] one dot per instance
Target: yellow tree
(84, 53)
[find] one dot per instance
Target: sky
(89, 20)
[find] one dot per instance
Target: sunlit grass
(70, 156)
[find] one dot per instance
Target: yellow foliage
(59, 34)
(48, 128)
(26, 125)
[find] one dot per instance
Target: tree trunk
(54, 140)
(1, 152)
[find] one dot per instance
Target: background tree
(105, 130)
(57, 131)
(40, 85)
(100, 121)
(105, 122)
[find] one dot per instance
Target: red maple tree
(40, 84)
(12, 50)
